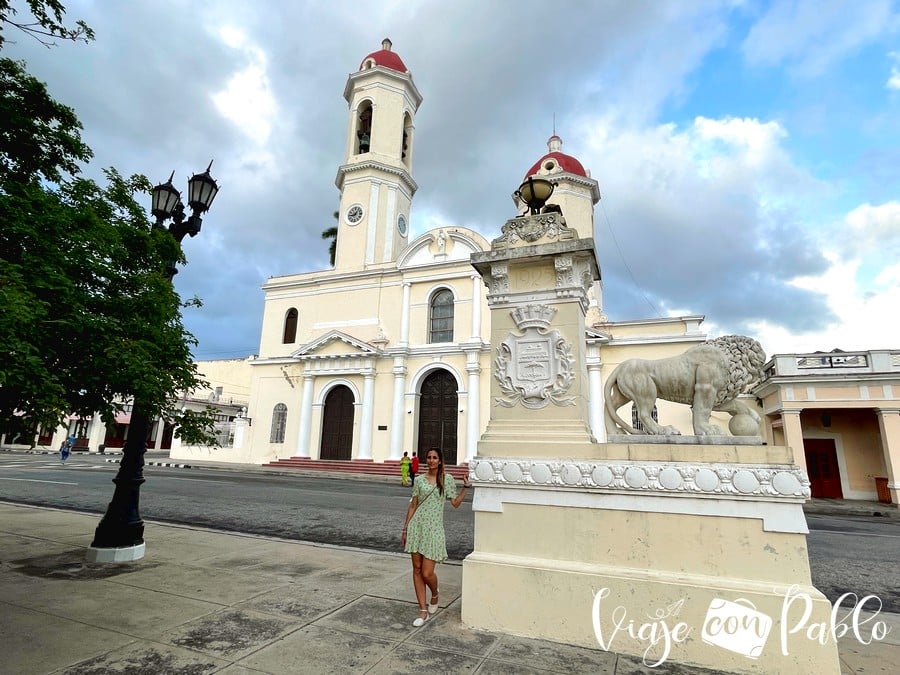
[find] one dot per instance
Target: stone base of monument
(684, 440)
(691, 554)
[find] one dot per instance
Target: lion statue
(707, 377)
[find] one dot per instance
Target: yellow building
(842, 409)
(389, 351)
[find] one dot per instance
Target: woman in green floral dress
(423, 531)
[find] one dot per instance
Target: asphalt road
(346, 512)
(847, 553)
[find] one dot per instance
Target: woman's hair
(439, 478)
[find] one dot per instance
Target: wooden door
(822, 466)
(438, 414)
(337, 424)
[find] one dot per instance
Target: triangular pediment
(336, 343)
(593, 334)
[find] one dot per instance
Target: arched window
(440, 327)
(406, 143)
(290, 327)
(364, 127)
(636, 421)
(279, 422)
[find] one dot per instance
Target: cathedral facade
(389, 351)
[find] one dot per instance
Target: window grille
(279, 422)
(441, 321)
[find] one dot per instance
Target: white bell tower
(375, 179)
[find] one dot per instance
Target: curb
(887, 513)
(265, 471)
(171, 465)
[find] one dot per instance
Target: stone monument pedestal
(691, 554)
(676, 551)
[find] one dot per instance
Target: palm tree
(331, 233)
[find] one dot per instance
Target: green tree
(46, 24)
(331, 233)
(90, 319)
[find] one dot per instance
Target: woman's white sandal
(420, 621)
(432, 608)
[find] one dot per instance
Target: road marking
(56, 465)
(32, 480)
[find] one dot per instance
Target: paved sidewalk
(213, 602)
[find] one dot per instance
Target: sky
(748, 152)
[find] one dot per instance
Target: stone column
(306, 404)
(473, 421)
(537, 295)
(889, 425)
(368, 408)
(397, 412)
(595, 386)
(476, 307)
(160, 431)
(404, 315)
(372, 218)
(97, 434)
(240, 431)
(793, 436)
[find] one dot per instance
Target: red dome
(565, 162)
(385, 57)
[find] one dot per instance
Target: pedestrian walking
(404, 468)
(423, 531)
(66, 448)
(414, 467)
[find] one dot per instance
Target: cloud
(874, 229)
(247, 100)
(811, 35)
(859, 313)
(705, 218)
(894, 79)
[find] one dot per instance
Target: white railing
(224, 432)
(833, 361)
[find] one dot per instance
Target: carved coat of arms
(535, 367)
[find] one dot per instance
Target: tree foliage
(90, 319)
(331, 233)
(46, 24)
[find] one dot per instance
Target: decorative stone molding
(652, 478)
(533, 316)
(564, 272)
(499, 279)
(526, 230)
(535, 368)
(406, 180)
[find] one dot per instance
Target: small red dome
(384, 57)
(565, 162)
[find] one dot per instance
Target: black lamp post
(120, 535)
